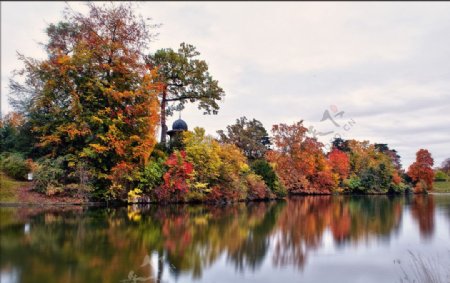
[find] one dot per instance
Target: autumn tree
(340, 163)
(185, 79)
(299, 160)
(249, 135)
(373, 168)
(207, 170)
(93, 99)
(421, 171)
(392, 153)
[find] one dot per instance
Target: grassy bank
(20, 192)
(9, 188)
(441, 187)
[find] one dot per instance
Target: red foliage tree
(177, 178)
(339, 162)
(421, 171)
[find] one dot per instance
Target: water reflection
(350, 219)
(422, 210)
(77, 244)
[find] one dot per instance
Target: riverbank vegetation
(442, 178)
(86, 120)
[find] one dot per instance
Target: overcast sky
(386, 65)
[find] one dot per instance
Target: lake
(302, 239)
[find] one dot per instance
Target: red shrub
(177, 178)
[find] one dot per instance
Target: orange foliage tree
(340, 163)
(421, 171)
(94, 99)
(300, 161)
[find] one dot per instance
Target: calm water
(304, 239)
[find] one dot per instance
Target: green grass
(441, 187)
(9, 188)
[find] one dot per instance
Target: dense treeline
(87, 117)
(202, 168)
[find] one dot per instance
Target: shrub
(257, 188)
(219, 169)
(177, 179)
(262, 168)
(279, 189)
(324, 181)
(203, 152)
(265, 170)
(152, 175)
(233, 190)
(198, 191)
(440, 176)
(48, 175)
(398, 188)
(134, 195)
(52, 190)
(353, 183)
(15, 166)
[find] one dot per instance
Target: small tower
(178, 127)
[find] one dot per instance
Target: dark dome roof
(179, 125)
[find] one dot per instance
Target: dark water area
(302, 239)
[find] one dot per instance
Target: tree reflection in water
(106, 244)
(350, 219)
(422, 210)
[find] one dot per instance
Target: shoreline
(21, 194)
(124, 204)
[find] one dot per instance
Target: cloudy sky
(385, 65)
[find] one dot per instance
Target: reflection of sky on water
(365, 261)
(308, 239)
(9, 276)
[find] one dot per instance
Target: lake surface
(303, 239)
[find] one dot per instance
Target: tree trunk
(160, 267)
(163, 118)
